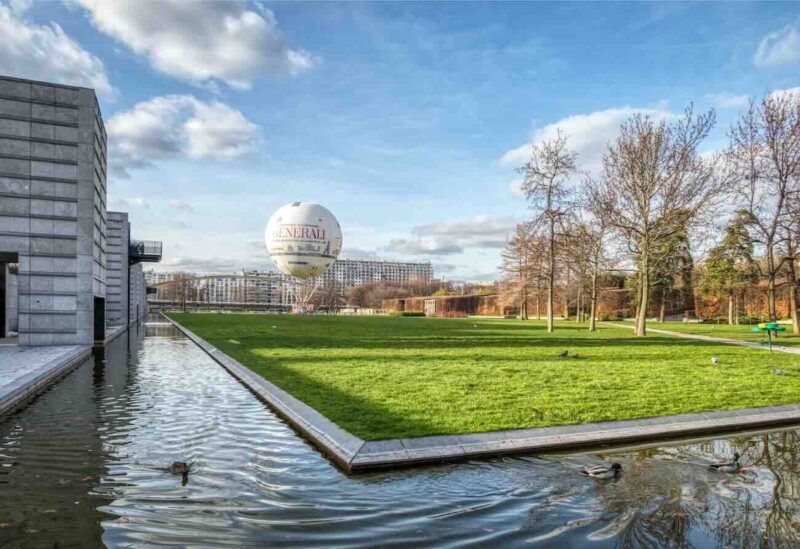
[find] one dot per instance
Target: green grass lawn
(388, 377)
(743, 332)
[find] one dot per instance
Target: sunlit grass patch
(388, 377)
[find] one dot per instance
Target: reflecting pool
(88, 462)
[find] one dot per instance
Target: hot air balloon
(303, 240)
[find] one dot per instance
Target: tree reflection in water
(669, 497)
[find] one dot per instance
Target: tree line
(635, 221)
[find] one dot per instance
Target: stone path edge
(355, 455)
(38, 382)
(712, 339)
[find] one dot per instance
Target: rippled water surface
(87, 463)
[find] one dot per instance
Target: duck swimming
(728, 466)
(180, 468)
(602, 472)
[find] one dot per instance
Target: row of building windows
(270, 287)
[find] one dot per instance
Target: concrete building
(126, 290)
(53, 218)
(345, 273)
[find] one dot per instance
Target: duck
(563, 354)
(728, 466)
(602, 472)
(180, 468)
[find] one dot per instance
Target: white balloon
(303, 239)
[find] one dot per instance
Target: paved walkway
(24, 371)
(751, 344)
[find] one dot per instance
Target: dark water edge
(86, 464)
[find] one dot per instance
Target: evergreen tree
(730, 265)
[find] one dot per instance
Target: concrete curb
(26, 387)
(334, 441)
(113, 333)
(711, 339)
(356, 455)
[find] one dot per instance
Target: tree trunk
(578, 305)
(662, 310)
(644, 295)
(731, 308)
(793, 298)
(593, 304)
(773, 315)
(551, 274)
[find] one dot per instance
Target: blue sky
(406, 120)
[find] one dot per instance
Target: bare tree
(654, 185)
(327, 296)
(764, 155)
(546, 188)
(595, 236)
(519, 265)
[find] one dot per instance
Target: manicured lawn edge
(716, 339)
(354, 455)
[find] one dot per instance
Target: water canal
(86, 464)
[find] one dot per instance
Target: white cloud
(781, 47)
(453, 237)
(180, 204)
(129, 202)
(420, 246)
(357, 253)
(788, 92)
(200, 42)
(515, 186)
(45, 52)
(589, 135)
(20, 6)
(178, 126)
(727, 100)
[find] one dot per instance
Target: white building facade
(274, 288)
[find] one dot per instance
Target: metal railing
(144, 251)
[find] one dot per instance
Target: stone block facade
(52, 207)
(126, 289)
(119, 230)
(138, 294)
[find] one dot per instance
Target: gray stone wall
(138, 295)
(117, 269)
(12, 298)
(53, 206)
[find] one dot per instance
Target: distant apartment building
(154, 277)
(274, 288)
(345, 273)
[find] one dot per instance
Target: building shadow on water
(53, 458)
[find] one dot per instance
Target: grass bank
(389, 377)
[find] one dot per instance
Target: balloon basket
(304, 292)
